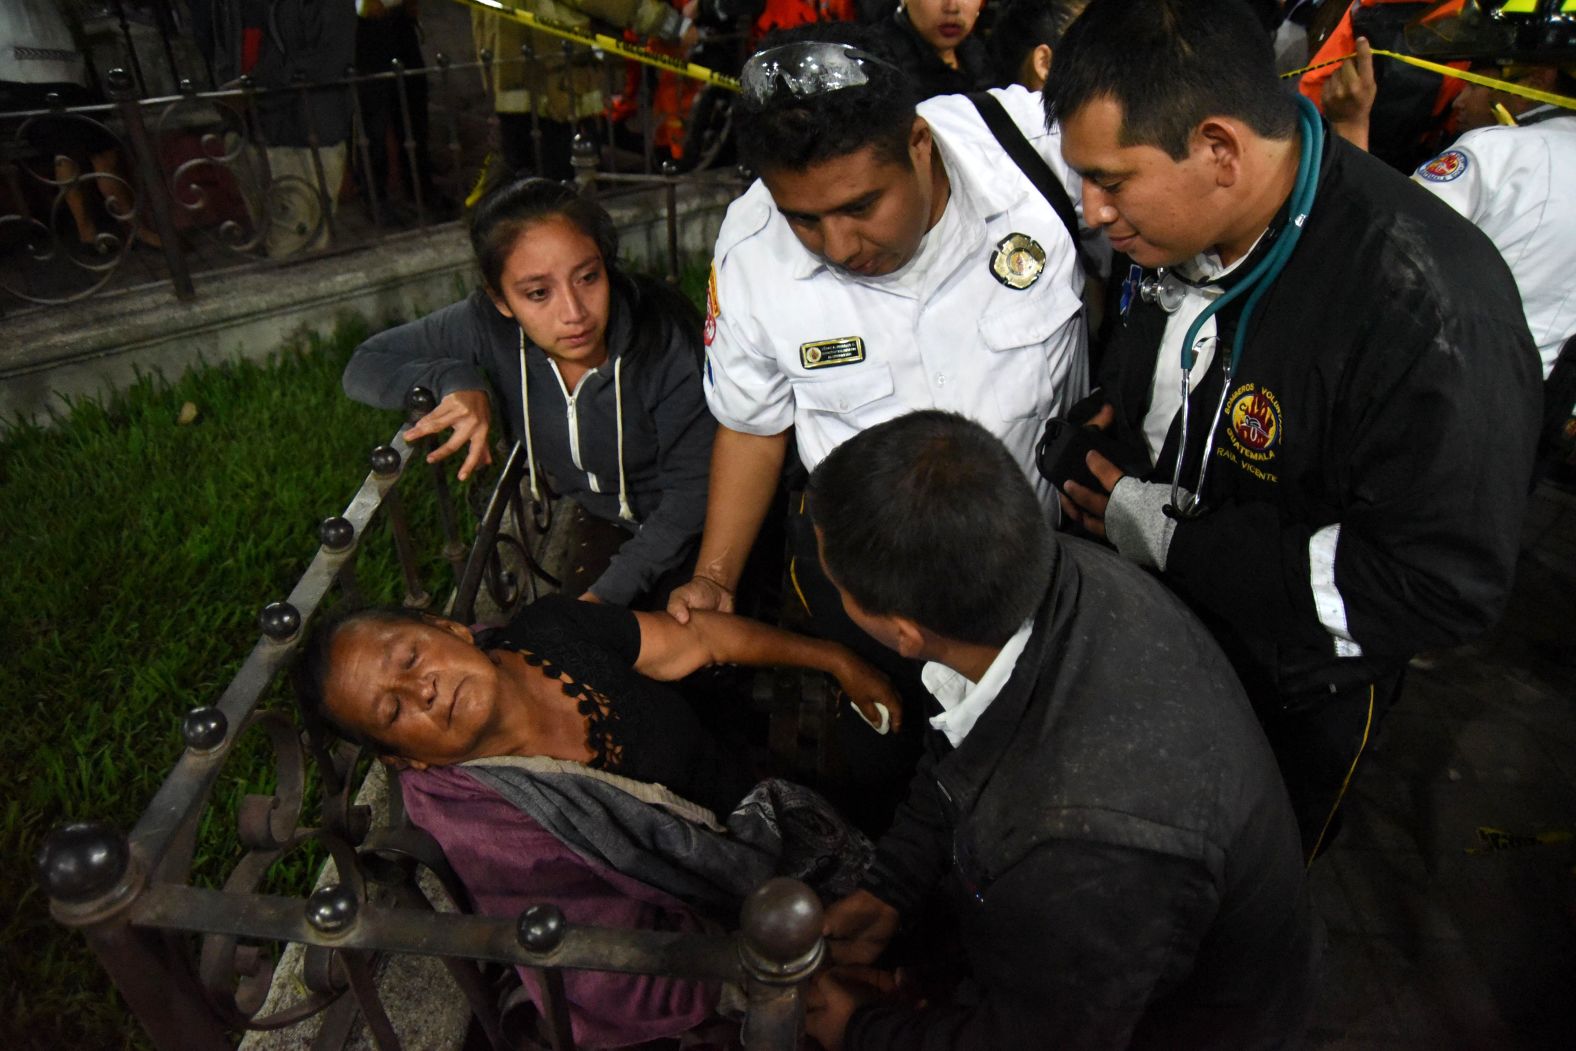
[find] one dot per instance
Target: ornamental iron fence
(142, 192)
(193, 963)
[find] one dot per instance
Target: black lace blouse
(635, 726)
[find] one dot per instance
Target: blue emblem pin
(1135, 275)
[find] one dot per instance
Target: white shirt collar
(1205, 269)
(964, 701)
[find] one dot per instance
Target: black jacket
(301, 40)
(1115, 833)
(1397, 389)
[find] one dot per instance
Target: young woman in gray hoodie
(596, 371)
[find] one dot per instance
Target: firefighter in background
(1509, 173)
(1411, 113)
(563, 89)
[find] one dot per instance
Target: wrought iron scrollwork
(67, 185)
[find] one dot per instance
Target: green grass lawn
(137, 554)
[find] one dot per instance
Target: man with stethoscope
(1342, 485)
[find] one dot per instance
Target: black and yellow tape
(1492, 840)
(609, 44)
(1536, 94)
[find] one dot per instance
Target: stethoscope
(1254, 285)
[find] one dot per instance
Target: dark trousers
(378, 43)
(1319, 744)
(519, 149)
(875, 768)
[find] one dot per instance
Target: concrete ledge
(100, 345)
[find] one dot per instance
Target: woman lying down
(550, 765)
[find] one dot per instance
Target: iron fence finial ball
(384, 460)
(541, 928)
(781, 919)
(80, 861)
(279, 620)
(336, 533)
(204, 728)
(119, 82)
(669, 168)
(332, 908)
(420, 400)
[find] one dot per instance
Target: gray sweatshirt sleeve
(684, 432)
(448, 350)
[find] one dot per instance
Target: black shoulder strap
(1028, 159)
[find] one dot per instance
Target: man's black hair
(929, 517)
(1023, 25)
(314, 660)
(1170, 64)
(794, 133)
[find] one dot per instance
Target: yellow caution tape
(480, 189)
(1495, 839)
(612, 45)
(1537, 95)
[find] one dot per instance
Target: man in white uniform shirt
(888, 259)
(1513, 183)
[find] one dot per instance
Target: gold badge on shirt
(825, 353)
(1018, 261)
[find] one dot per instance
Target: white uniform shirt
(1514, 184)
(794, 342)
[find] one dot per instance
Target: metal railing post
(358, 131)
(780, 946)
(150, 179)
(131, 49)
(93, 879)
(326, 196)
(538, 82)
(671, 171)
(413, 173)
(447, 88)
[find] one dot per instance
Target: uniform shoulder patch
(713, 307)
(1445, 167)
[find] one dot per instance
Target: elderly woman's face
(422, 689)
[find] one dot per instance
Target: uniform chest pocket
(1030, 356)
(851, 388)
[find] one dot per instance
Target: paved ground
(1435, 941)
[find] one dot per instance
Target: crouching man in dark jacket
(1098, 802)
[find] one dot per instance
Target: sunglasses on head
(804, 70)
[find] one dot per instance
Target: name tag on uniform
(825, 353)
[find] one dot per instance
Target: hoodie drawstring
(525, 411)
(624, 511)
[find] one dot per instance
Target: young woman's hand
(866, 688)
(470, 414)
